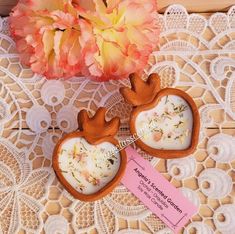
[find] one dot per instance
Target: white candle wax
(172, 121)
(88, 168)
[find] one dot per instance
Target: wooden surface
(198, 6)
(192, 6)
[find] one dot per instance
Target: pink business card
(158, 194)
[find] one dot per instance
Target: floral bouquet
(100, 39)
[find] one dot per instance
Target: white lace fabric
(196, 54)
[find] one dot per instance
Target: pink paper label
(158, 194)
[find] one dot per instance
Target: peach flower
(122, 35)
(102, 39)
(47, 34)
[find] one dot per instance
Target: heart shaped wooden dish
(166, 121)
(87, 162)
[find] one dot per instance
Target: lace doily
(197, 54)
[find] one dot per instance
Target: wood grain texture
(198, 6)
(6, 6)
(191, 6)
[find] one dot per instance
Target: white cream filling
(88, 168)
(172, 121)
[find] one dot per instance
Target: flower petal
(125, 33)
(48, 42)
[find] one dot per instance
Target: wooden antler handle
(141, 92)
(82, 117)
(96, 126)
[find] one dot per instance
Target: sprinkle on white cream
(88, 168)
(172, 120)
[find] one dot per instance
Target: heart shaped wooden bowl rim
(103, 191)
(168, 154)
